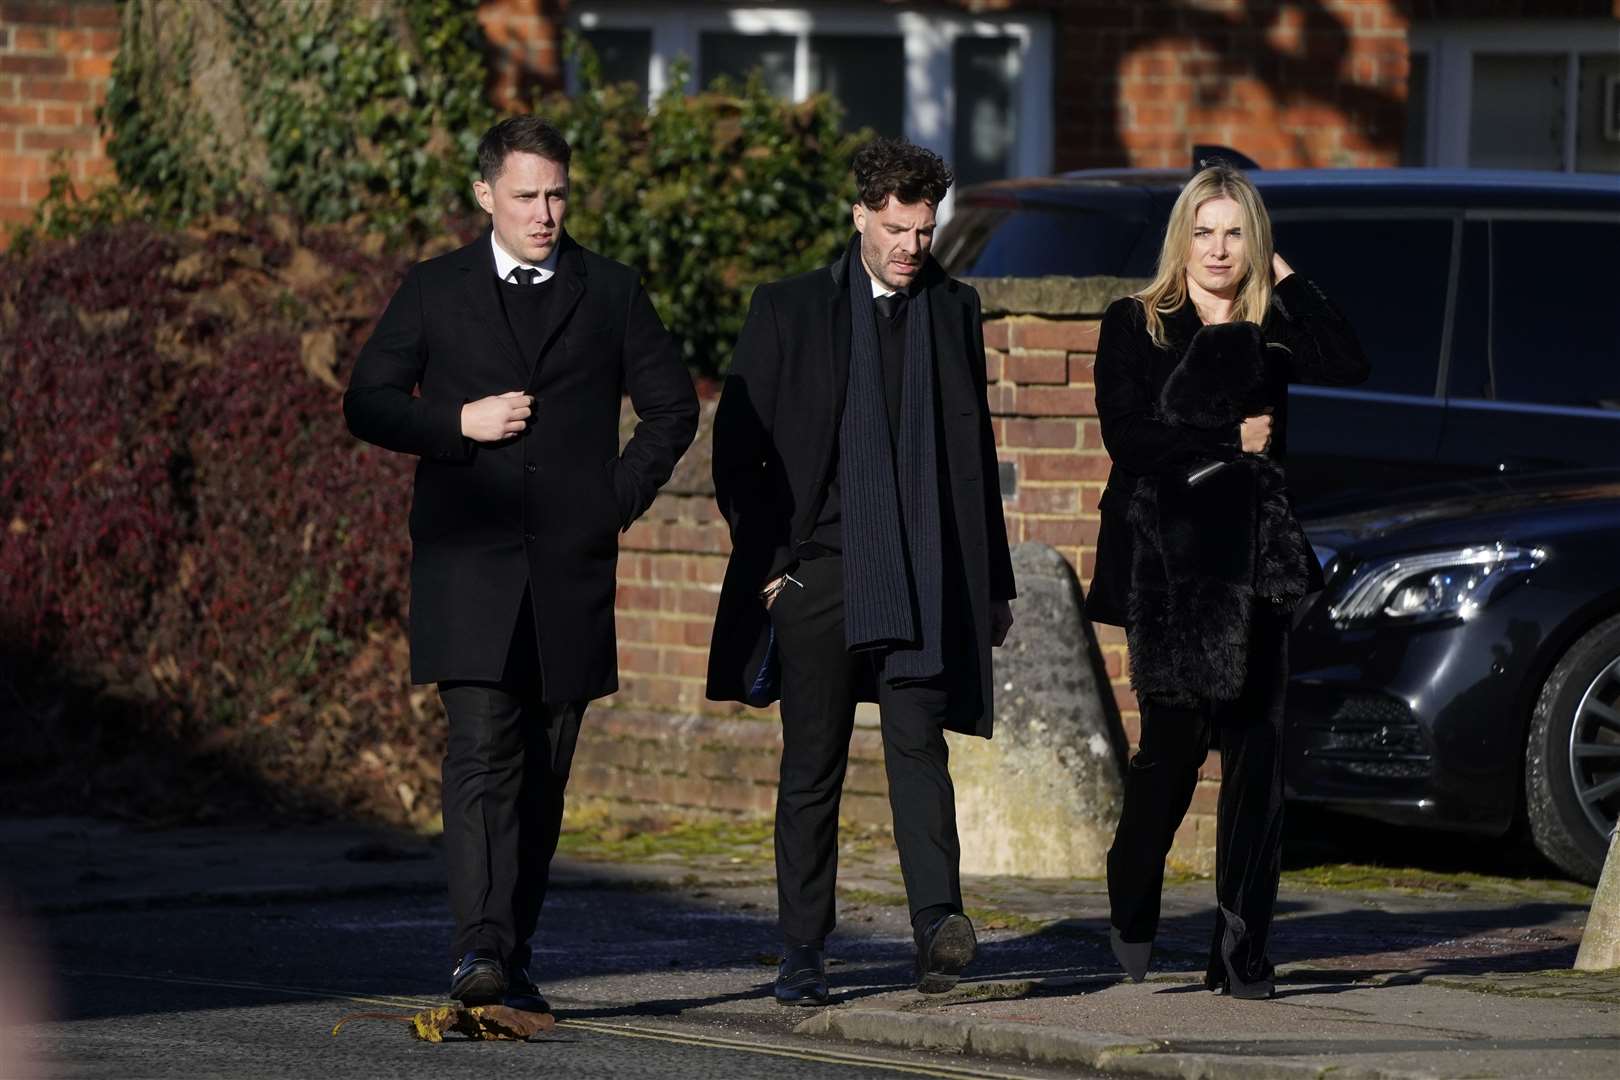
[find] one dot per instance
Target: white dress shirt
(505, 263)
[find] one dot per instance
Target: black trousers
(821, 682)
(505, 770)
(1159, 785)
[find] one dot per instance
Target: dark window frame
(1455, 216)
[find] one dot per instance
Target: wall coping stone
(1054, 295)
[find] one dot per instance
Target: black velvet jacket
(1317, 346)
(1215, 546)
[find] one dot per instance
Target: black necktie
(889, 305)
(523, 275)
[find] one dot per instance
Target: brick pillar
(55, 61)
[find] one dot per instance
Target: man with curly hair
(855, 465)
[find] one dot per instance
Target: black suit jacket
(541, 510)
(775, 440)
(1318, 346)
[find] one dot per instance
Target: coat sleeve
(381, 405)
(743, 440)
(1136, 439)
(1003, 586)
(1322, 346)
(665, 403)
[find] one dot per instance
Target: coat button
(529, 537)
(532, 467)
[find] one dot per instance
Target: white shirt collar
(505, 263)
(878, 289)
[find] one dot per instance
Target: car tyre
(1560, 825)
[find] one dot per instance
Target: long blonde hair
(1169, 289)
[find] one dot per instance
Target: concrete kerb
(1038, 1044)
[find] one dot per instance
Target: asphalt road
(644, 983)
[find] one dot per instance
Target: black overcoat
(542, 510)
(775, 441)
(1318, 346)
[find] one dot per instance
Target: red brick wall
(55, 59)
(1289, 84)
(524, 48)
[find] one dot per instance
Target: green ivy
(349, 116)
(707, 194)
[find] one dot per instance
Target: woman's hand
(1256, 433)
(1279, 268)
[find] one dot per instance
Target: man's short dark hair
(520, 135)
(885, 167)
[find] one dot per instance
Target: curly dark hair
(910, 173)
(520, 135)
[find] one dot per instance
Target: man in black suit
(855, 464)
(501, 367)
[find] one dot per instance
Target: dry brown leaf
(319, 349)
(478, 1022)
(103, 322)
(190, 269)
(305, 271)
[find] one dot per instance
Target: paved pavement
(230, 952)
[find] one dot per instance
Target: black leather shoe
(943, 950)
(802, 977)
(480, 979)
(522, 994)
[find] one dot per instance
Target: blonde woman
(1199, 557)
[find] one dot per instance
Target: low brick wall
(658, 748)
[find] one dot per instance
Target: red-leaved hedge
(203, 577)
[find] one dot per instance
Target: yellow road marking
(826, 1057)
(630, 1031)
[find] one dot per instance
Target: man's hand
(1279, 268)
(1001, 620)
(1257, 433)
(495, 418)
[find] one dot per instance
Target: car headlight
(1430, 585)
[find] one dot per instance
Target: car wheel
(1572, 760)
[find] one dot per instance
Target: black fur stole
(1206, 553)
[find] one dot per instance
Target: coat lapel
(956, 385)
(479, 285)
(838, 334)
(570, 282)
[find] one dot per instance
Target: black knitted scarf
(891, 528)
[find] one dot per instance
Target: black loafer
(522, 994)
(802, 977)
(480, 979)
(943, 950)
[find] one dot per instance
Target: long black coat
(542, 510)
(1319, 346)
(775, 437)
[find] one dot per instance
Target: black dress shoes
(802, 977)
(943, 950)
(480, 979)
(522, 993)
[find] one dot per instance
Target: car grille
(1371, 735)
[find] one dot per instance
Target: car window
(1389, 278)
(982, 241)
(1555, 325)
